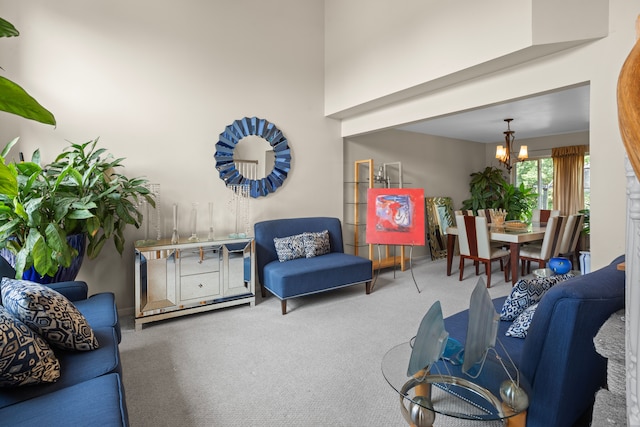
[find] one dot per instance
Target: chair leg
(487, 269)
(283, 306)
(367, 287)
(507, 269)
(461, 268)
(477, 264)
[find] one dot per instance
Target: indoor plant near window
(490, 190)
(79, 193)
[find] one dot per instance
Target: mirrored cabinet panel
(177, 279)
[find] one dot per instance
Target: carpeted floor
(319, 365)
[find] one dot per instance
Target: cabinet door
(156, 282)
(238, 269)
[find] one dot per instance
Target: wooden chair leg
(283, 306)
(477, 265)
(487, 269)
(461, 268)
(367, 287)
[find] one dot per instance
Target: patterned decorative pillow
(525, 293)
(316, 244)
(25, 358)
(48, 313)
(290, 247)
(520, 326)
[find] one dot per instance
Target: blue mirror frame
(262, 128)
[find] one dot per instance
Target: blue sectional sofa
(306, 276)
(89, 390)
(558, 356)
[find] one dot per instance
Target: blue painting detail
(393, 213)
(264, 129)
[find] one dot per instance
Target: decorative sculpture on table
(467, 374)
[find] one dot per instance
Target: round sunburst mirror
(237, 170)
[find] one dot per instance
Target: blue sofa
(89, 390)
(558, 356)
(306, 276)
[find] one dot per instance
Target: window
(538, 174)
(587, 182)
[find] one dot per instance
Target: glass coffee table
(447, 391)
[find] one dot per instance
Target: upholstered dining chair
(571, 236)
(549, 248)
(541, 216)
(473, 238)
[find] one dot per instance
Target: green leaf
(8, 181)
(8, 147)
(15, 100)
(7, 29)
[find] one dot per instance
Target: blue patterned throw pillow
(316, 244)
(48, 313)
(290, 247)
(25, 358)
(525, 293)
(520, 326)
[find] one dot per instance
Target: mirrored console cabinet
(173, 280)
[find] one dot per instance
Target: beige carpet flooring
(319, 365)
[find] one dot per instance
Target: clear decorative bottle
(193, 223)
(211, 235)
(174, 235)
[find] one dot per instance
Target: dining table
(514, 238)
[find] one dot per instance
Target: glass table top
(451, 392)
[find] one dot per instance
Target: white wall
(377, 49)
(598, 62)
(158, 81)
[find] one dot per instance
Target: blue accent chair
(306, 276)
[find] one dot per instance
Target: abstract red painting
(395, 216)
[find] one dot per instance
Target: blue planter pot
(560, 265)
(64, 274)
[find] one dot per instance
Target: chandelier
(503, 153)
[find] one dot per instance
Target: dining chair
(541, 216)
(464, 212)
(473, 239)
(571, 236)
(549, 248)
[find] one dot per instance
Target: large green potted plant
(79, 193)
(490, 190)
